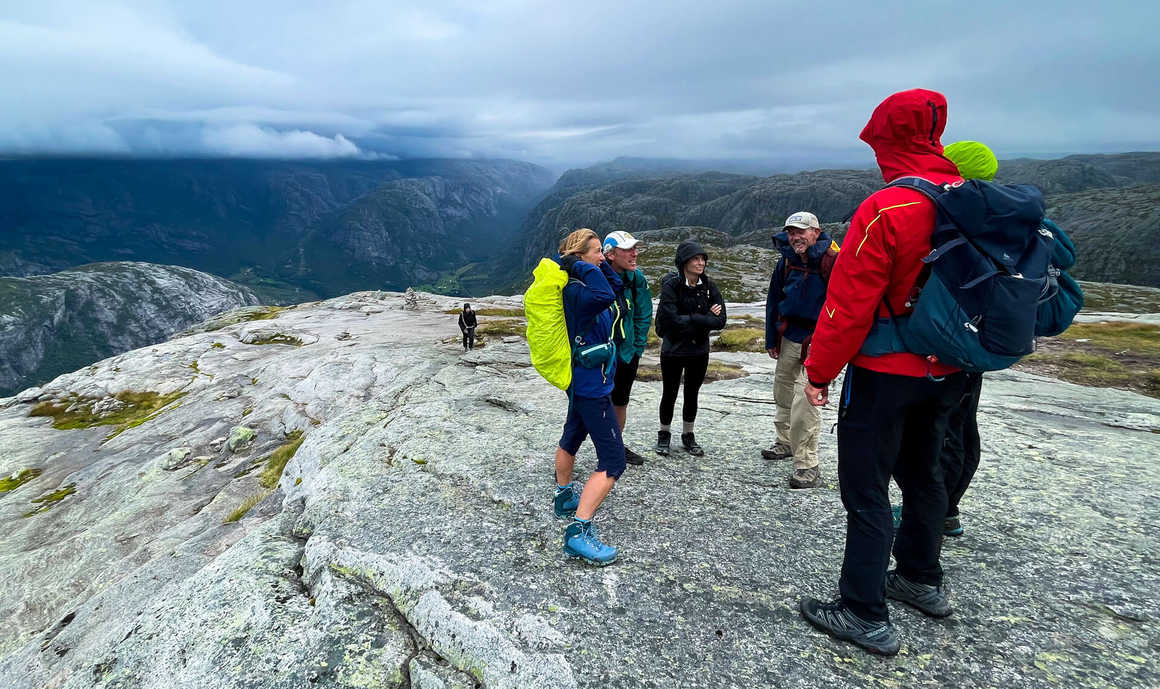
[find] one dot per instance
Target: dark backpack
(1056, 314)
(987, 276)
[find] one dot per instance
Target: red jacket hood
(905, 132)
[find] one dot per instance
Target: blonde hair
(577, 242)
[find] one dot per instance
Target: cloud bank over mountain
(564, 84)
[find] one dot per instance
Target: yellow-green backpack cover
(547, 330)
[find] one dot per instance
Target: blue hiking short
(595, 418)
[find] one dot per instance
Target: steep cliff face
(340, 497)
(260, 219)
(51, 324)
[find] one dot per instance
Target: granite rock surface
(409, 540)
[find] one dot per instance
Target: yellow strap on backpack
(547, 330)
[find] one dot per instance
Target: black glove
(568, 262)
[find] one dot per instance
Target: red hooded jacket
(882, 253)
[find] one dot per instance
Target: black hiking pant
(694, 368)
(960, 454)
(469, 338)
(891, 425)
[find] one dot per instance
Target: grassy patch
(654, 340)
(246, 506)
(742, 340)
(49, 500)
(11, 483)
(501, 328)
(276, 462)
(277, 338)
(77, 412)
(747, 321)
(253, 313)
(718, 370)
(508, 313)
(217, 345)
(1139, 338)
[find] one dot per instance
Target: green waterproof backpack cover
(547, 330)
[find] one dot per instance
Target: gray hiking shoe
(777, 452)
(836, 620)
(931, 600)
(805, 478)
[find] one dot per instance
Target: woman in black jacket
(690, 308)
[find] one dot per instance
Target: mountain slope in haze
(50, 324)
(286, 221)
(1081, 191)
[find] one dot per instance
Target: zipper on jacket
(933, 121)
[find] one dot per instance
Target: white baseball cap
(803, 220)
(619, 240)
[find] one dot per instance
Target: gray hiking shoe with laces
(931, 600)
(838, 621)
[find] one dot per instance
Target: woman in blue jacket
(592, 288)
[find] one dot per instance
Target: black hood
(688, 249)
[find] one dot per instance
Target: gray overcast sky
(568, 83)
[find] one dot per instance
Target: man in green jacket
(631, 329)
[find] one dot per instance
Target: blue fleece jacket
(794, 301)
(587, 313)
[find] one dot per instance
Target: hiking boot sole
(597, 563)
(889, 649)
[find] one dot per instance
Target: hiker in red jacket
(894, 405)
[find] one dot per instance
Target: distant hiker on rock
(797, 289)
(631, 335)
(467, 325)
(894, 405)
(590, 292)
(690, 308)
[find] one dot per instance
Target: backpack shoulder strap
(827, 263)
(924, 186)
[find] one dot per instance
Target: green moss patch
(1113, 355)
(717, 370)
(252, 313)
(501, 328)
(517, 313)
(77, 412)
(1138, 338)
(247, 504)
(11, 483)
(741, 340)
(276, 462)
(49, 500)
(278, 339)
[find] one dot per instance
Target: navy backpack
(990, 279)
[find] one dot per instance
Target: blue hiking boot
(580, 540)
(566, 501)
(953, 526)
(896, 513)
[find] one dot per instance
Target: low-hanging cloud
(566, 83)
(251, 141)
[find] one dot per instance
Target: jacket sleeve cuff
(817, 384)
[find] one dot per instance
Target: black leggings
(694, 368)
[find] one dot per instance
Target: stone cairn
(410, 300)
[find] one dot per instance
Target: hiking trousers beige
(797, 421)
